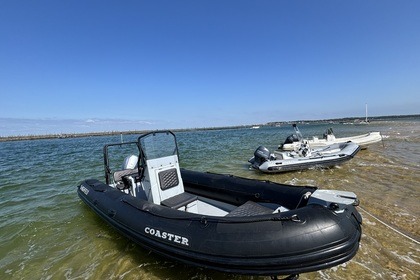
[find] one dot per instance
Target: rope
(390, 227)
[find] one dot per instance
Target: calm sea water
(48, 233)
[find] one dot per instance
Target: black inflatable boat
(222, 222)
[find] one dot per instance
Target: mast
(366, 120)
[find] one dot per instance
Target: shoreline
(352, 120)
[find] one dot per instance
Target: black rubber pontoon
(228, 223)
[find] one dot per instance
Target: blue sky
(81, 66)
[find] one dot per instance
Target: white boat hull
(363, 141)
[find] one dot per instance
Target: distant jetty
(354, 120)
(106, 133)
(58, 136)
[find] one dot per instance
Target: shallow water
(48, 233)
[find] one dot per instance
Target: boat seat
(249, 208)
(163, 179)
(182, 199)
(118, 175)
(121, 175)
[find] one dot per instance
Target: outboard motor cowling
(261, 155)
(291, 139)
(130, 162)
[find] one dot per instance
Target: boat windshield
(298, 134)
(158, 144)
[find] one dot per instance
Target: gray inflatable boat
(302, 157)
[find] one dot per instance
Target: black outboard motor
(291, 139)
(261, 155)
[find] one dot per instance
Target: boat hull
(363, 141)
(269, 244)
